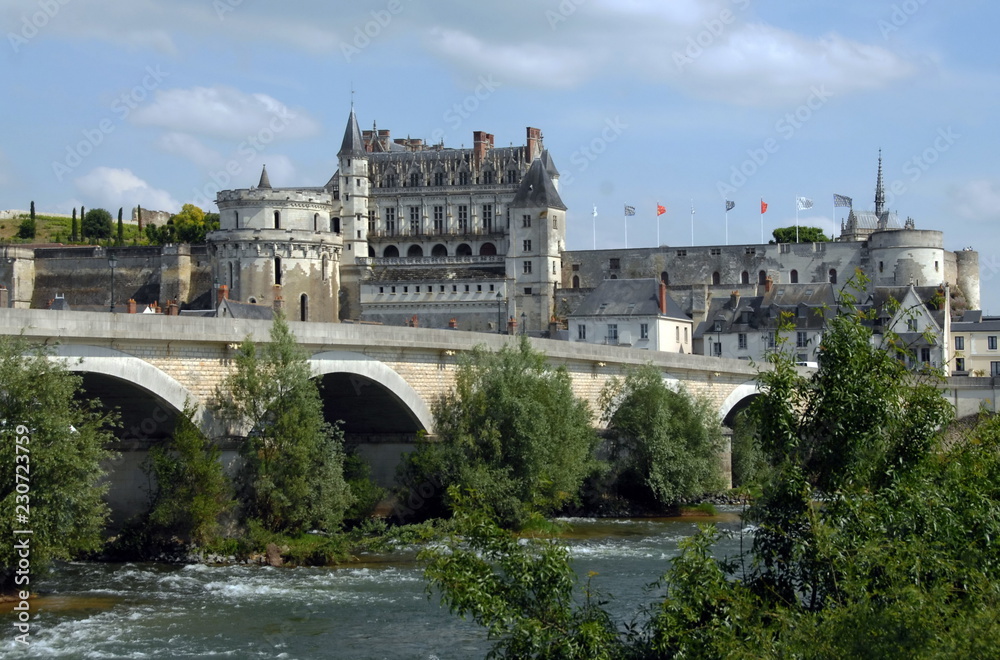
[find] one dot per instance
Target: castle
(406, 233)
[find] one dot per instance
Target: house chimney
(279, 303)
(734, 299)
(512, 326)
(130, 306)
(480, 145)
(173, 309)
(453, 324)
(4, 297)
(663, 298)
(222, 293)
(768, 283)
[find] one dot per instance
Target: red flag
(660, 209)
(763, 206)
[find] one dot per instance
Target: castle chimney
(734, 299)
(768, 283)
(481, 143)
(453, 324)
(4, 297)
(173, 309)
(222, 293)
(534, 143)
(663, 297)
(130, 306)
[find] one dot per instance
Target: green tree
(52, 446)
(192, 492)
(74, 235)
(97, 224)
(511, 430)
(805, 235)
(26, 229)
(292, 477)
(121, 228)
(664, 444)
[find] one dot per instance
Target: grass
(52, 229)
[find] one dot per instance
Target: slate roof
(435, 275)
(265, 182)
(353, 144)
(810, 305)
(237, 310)
(638, 297)
(537, 189)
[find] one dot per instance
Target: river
(374, 609)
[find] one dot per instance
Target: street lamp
(499, 313)
(524, 323)
(113, 262)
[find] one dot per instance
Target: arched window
(230, 278)
(277, 270)
(614, 277)
(277, 219)
(762, 277)
(415, 251)
(745, 277)
(335, 225)
(665, 278)
(371, 251)
(390, 251)
(463, 250)
(439, 250)
(303, 307)
(793, 276)
(487, 250)
(716, 278)
(315, 221)
(576, 281)
(833, 276)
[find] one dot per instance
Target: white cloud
(978, 200)
(189, 147)
(112, 188)
(224, 112)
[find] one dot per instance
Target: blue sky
(111, 103)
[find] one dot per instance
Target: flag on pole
(629, 210)
(660, 209)
(763, 206)
(842, 200)
(730, 205)
(803, 203)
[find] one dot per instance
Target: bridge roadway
(380, 382)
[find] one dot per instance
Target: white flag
(803, 203)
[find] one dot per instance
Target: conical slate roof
(352, 145)
(550, 167)
(537, 189)
(264, 181)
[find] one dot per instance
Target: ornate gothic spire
(879, 189)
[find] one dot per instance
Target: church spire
(264, 181)
(879, 189)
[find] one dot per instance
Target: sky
(682, 103)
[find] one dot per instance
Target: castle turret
(538, 228)
(352, 179)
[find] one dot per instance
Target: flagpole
(727, 223)
(761, 220)
(692, 223)
(626, 229)
(796, 219)
(595, 226)
(657, 218)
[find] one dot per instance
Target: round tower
(279, 247)
(351, 183)
(901, 257)
(967, 261)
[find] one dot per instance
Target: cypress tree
(82, 215)
(138, 215)
(32, 211)
(73, 229)
(121, 228)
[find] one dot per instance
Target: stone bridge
(379, 381)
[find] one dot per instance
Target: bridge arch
(361, 371)
(737, 401)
